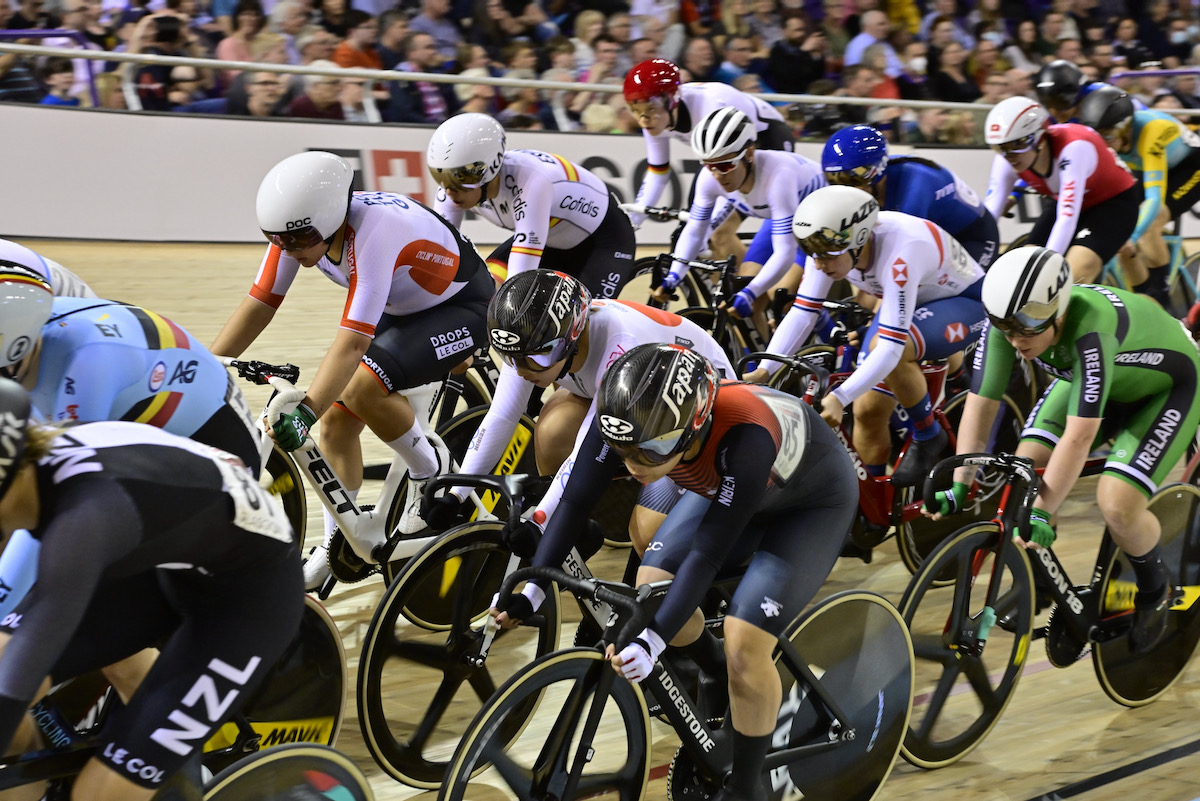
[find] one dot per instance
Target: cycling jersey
(399, 258)
(932, 192)
(64, 282)
(914, 266)
(1118, 356)
(103, 360)
(696, 101)
(781, 181)
(1159, 143)
(1084, 172)
(548, 201)
(771, 483)
(146, 535)
(613, 327)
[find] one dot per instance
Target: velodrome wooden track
(1060, 734)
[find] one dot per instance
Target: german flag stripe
(528, 251)
(568, 168)
(658, 169)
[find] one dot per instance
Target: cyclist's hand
(1193, 320)
(832, 411)
(742, 305)
(444, 512)
(948, 502)
(636, 660)
(759, 376)
(1128, 250)
(661, 216)
(667, 288)
(522, 537)
(510, 612)
(292, 428)
(1040, 534)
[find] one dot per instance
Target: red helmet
(654, 78)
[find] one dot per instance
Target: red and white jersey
(63, 282)
(548, 201)
(1084, 171)
(613, 327)
(696, 101)
(781, 181)
(912, 262)
(399, 258)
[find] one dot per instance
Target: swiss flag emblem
(956, 332)
(900, 272)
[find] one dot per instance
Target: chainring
(1062, 647)
(684, 782)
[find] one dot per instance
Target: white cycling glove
(638, 658)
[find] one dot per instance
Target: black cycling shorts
(1102, 229)
(603, 262)
(226, 430)
(419, 348)
(777, 135)
(981, 239)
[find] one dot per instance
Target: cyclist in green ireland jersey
(1126, 371)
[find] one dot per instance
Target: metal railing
(69, 52)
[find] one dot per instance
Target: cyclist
(1062, 87)
(768, 485)
(62, 281)
(1096, 198)
(563, 216)
(667, 108)
(768, 183)
(858, 156)
(1125, 371)
(929, 308)
(416, 307)
(146, 537)
(547, 329)
(1165, 155)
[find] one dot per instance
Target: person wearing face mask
(914, 81)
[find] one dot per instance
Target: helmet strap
(569, 361)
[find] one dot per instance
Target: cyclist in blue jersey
(1061, 87)
(858, 156)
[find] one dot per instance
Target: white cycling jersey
(399, 258)
(912, 262)
(545, 199)
(65, 283)
(613, 327)
(781, 181)
(696, 101)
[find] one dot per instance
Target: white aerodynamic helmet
(835, 219)
(723, 134)
(1026, 290)
(26, 301)
(304, 199)
(466, 151)
(1017, 123)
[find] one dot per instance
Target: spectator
(1052, 30)
(961, 129)
(560, 100)
(875, 31)
(264, 90)
(606, 51)
(519, 56)
(1101, 56)
(766, 27)
(153, 81)
(995, 88)
(1152, 28)
(641, 50)
(434, 20)
(669, 40)
(331, 15)
(858, 80)
(269, 48)
(249, 21)
(393, 30)
(358, 50)
(288, 18)
(1023, 53)
(527, 101)
(887, 88)
(322, 94)
(477, 97)
(700, 16)
(75, 19)
(1179, 46)
(985, 61)
(798, 58)
(950, 82)
(620, 27)
(31, 14)
(562, 55)
(739, 52)
(1163, 100)
(1020, 83)
(832, 23)
(749, 83)
(1147, 87)
(700, 59)
(57, 76)
(1069, 50)
(1184, 89)
(1126, 45)
(930, 122)
(315, 44)
(600, 118)
(941, 34)
(588, 25)
(985, 11)
(18, 84)
(354, 107)
(735, 21)
(109, 90)
(949, 10)
(664, 12)
(421, 101)
(92, 28)
(914, 81)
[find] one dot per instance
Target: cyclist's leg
(1101, 232)
(557, 429)
(604, 261)
(654, 503)
(981, 239)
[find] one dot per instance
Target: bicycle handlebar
(1013, 467)
(618, 596)
(658, 213)
(850, 313)
(805, 365)
(260, 373)
(510, 487)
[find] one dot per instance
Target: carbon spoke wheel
(966, 669)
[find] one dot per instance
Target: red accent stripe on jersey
(346, 408)
(265, 297)
(266, 279)
(892, 336)
(808, 304)
(660, 316)
(160, 418)
(933, 229)
(736, 405)
(498, 269)
(918, 343)
(181, 337)
(362, 328)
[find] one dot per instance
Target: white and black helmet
(835, 219)
(304, 199)
(1016, 124)
(26, 301)
(723, 134)
(1026, 290)
(466, 151)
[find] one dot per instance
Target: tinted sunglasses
(1020, 325)
(722, 167)
(652, 452)
(298, 239)
(546, 357)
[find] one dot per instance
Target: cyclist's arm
(336, 369)
(992, 366)
(1067, 461)
(1077, 162)
(550, 501)
(895, 316)
(509, 401)
(800, 320)
(530, 235)
(691, 238)
(89, 530)
(782, 202)
(445, 207)
(746, 454)
(1000, 184)
(275, 276)
(658, 173)
(1153, 140)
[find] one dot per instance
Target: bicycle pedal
(851, 550)
(346, 565)
(327, 586)
(868, 535)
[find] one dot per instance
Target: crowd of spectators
(969, 51)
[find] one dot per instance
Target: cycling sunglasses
(546, 357)
(469, 176)
(723, 167)
(1020, 325)
(858, 177)
(1017, 146)
(652, 452)
(298, 239)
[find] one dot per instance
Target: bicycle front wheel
(282, 479)
(426, 636)
(589, 738)
(300, 770)
(967, 667)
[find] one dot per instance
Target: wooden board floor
(1059, 730)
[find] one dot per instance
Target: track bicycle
(432, 626)
(846, 669)
(972, 639)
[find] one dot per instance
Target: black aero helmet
(654, 400)
(1058, 84)
(536, 318)
(14, 422)
(1105, 107)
